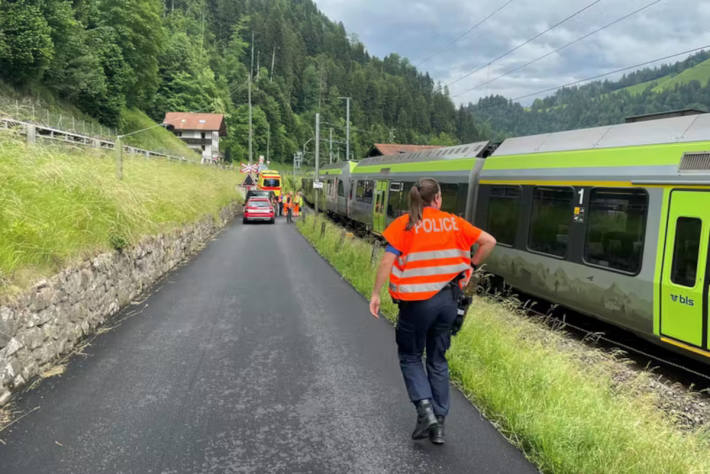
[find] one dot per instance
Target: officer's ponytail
(422, 194)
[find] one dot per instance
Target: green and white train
(613, 222)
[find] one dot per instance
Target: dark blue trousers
(426, 325)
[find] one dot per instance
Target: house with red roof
(200, 132)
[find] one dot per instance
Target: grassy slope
(699, 72)
(567, 415)
(156, 139)
(58, 204)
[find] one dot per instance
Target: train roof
(663, 131)
(470, 150)
(337, 168)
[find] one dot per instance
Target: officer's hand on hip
(375, 306)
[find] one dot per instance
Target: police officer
(428, 252)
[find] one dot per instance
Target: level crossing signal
(248, 169)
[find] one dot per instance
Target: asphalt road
(254, 357)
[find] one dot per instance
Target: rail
(34, 131)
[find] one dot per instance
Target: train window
(398, 202)
(461, 198)
(551, 217)
(341, 188)
(364, 191)
(503, 213)
(448, 197)
(615, 228)
(685, 251)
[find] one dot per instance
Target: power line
(524, 43)
(506, 73)
(613, 72)
(463, 34)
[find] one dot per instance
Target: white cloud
(422, 30)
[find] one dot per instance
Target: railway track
(674, 367)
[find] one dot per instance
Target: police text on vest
(443, 224)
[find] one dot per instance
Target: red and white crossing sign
(248, 169)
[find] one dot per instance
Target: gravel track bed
(684, 406)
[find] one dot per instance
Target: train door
(379, 207)
(684, 279)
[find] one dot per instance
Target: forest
(104, 56)
(596, 103)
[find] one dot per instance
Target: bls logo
(683, 300)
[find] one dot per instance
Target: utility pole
(347, 127)
(273, 59)
(251, 71)
(320, 84)
(258, 55)
(317, 150)
(268, 139)
(330, 146)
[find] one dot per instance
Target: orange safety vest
(433, 253)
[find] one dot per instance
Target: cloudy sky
(433, 35)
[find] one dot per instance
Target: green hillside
(195, 56)
(699, 72)
(681, 85)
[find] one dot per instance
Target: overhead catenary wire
(599, 76)
(530, 40)
(581, 38)
(421, 61)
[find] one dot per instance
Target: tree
(26, 36)
(140, 36)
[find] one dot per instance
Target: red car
(258, 209)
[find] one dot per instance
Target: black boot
(425, 419)
(436, 433)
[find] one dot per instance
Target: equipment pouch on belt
(462, 304)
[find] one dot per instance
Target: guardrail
(34, 131)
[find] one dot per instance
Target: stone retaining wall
(49, 320)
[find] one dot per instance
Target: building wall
(197, 139)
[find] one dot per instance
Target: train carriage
(611, 221)
(336, 186)
(380, 185)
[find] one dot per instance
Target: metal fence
(32, 111)
(35, 132)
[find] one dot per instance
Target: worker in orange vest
(297, 203)
(288, 207)
(428, 261)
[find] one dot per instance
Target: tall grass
(59, 204)
(566, 415)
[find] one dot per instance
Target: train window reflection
(448, 197)
(616, 228)
(503, 213)
(550, 221)
(685, 251)
(364, 190)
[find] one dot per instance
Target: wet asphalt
(253, 357)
